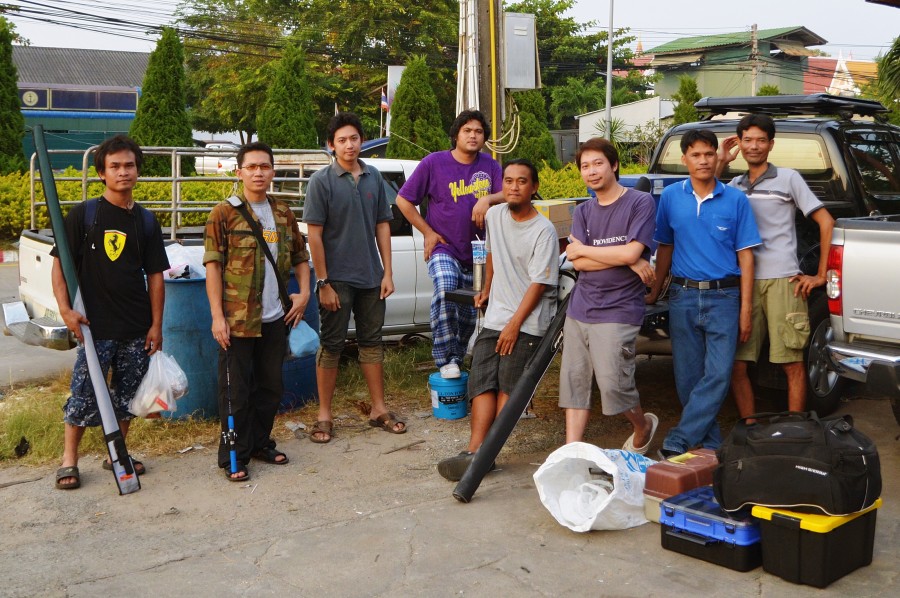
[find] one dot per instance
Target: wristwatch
(321, 283)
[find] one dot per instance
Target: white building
(634, 114)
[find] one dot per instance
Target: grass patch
(35, 411)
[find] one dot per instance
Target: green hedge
(15, 213)
(567, 183)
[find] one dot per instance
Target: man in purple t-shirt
(610, 248)
(462, 184)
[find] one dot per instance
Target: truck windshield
(804, 153)
(877, 158)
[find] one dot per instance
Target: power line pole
(754, 59)
(609, 73)
(490, 71)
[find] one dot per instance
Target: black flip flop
(270, 455)
(241, 469)
(68, 472)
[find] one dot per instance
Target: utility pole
(754, 59)
(490, 73)
(609, 73)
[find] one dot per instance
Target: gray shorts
(492, 372)
(605, 350)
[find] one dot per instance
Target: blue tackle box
(694, 524)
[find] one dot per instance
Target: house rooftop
(73, 67)
(797, 34)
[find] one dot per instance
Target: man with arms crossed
(609, 246)
(348, 218)
(248, 318)
(112, 253)
(780, 290)
(462, 183)
(706, 234)
(520, 281)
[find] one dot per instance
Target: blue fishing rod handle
(234, 465)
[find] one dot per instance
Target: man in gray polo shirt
(347, 214)
(780, 289)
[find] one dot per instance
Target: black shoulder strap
(90, 217)
(241, 207)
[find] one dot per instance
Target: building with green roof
(723, 64)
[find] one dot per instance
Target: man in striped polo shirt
(780, 289)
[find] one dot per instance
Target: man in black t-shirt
(113, 252)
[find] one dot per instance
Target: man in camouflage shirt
(248, 318)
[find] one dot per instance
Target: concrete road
(351, 518)
(20, 362)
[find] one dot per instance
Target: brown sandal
(388, 422)
(325, 428)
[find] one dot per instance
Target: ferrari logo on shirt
(114, 243)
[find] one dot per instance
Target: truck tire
(825, 387)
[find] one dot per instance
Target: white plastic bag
(584, 501)
(164, 382)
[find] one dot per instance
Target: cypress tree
(686, 96)
(287, 118)
(12, 123)
(161, 117)
(416, 128)
(535, 141)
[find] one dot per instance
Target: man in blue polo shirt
(706, 232)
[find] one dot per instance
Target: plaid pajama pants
(451, 323)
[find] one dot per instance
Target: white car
(408, 309)
(221, 158)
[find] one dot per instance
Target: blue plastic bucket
(448, 396)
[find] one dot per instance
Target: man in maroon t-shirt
(609, 246)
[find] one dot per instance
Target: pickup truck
(851, 161)
(35, 320)
(863, 291)
(217, 158)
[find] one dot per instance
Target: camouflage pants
(129, 362)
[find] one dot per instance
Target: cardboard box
(815, 549)
(559, 212)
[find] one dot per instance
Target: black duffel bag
(797, 461)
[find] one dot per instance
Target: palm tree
(889, 72)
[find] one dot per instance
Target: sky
(853, 28)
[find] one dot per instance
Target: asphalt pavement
(365, 515)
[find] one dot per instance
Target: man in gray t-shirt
(780, 289)
(520, 294)
(347, 215)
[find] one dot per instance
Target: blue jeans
(704, 328)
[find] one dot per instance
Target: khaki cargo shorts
(781, 316)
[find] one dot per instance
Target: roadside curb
(9, 256)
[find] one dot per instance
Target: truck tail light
(833, 279)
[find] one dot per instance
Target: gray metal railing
(292, 170)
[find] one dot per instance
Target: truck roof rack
(813, 104)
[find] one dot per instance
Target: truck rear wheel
(825, 386)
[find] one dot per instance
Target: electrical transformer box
(522, 69)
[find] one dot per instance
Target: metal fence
(293, 168)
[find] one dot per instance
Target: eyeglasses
(255, 167)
